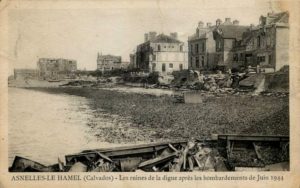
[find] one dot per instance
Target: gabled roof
(231, 31)
(162, 38)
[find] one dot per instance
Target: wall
(282, 47)
(167, 58)
(142, 56)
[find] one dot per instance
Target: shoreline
(145, 117)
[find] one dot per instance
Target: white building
(161, 53)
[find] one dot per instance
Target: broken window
(258, 41)
(197, 62)
(163, 68)
(202, 61)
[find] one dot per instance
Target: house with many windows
(265, 45)
(226, 36)
(161, 53)
(201, 48)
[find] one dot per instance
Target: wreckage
(217, 153)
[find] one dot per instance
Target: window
(170, 65)
(261, 59)
(158, 48)
(163, 68)
(202, 61)
(180, 66)
(197, 62)
(270, 59)
(181, 48)
(203, 47)
(197, 48)
(258, 41)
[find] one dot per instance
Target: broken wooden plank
(104, 157)
(256, 151)
(257, 138)
(157, 160)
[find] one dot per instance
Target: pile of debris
(193, 155)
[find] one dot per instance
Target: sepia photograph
(159, 86)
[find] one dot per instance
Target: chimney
(208, 24)
(227, 21)
(218, 22)
(251, 26)
(146, 37)
(174, 35)
(200, 24)
(152, 35)
(235, 22)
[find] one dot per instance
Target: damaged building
(161, 53)
(229, 45)
(56, 69)
(226, 35)
(265, 45)
(108, 62)
(201, 48)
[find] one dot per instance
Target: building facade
(50, 68)
(201, 48)
(265, 45)
(161, 53)
(108, 62)
(226, 36)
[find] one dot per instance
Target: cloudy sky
(78, 30)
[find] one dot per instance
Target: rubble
(193, 155)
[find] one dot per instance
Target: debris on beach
(218, 153)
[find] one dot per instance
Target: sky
(77, 30)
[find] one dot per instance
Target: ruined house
(226, 36)
(108, 62)
(55, 69)
(265, 45)
(201, 48)
(161, 53)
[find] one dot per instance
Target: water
(45, 126)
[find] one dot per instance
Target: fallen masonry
(224, 152)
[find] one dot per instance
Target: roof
(202, 36)
(282, 17)
(108, 57)
(232, 31)
(162, 38)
